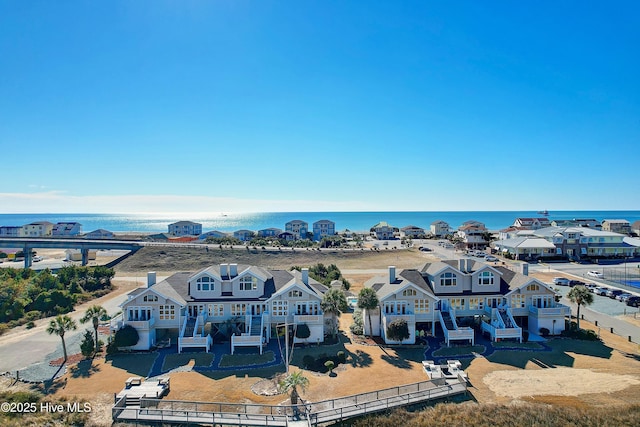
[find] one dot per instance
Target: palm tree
(59, 326)
(334, 302)
(580, 295)
(292, 382)
(368, 300)
(94, 313)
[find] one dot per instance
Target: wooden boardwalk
(238, 414)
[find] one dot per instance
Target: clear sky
(231, 105)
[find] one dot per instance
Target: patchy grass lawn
(459, 351)
(315, 351)
(250, 359)
(173, 361)
(135, 363)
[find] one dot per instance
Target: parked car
(573, 283)
(602, 291)
(37, 258)
(633, 301)
(591, 286)
(491, 258)
(425, 249)
(596, 274)
(613, 293)
(561, 281)
(623, 297)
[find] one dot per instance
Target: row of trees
(28, 295)
(63, 324)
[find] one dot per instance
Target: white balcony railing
(558, 310)
(141, 324)
(308, 318)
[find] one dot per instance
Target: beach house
(37, 229)
(242, 303)
(66, 229)
(383, 231)
(531, 223)
(440, 228)
(99, 234)
(472, 234)
(243, 235)
(451, 297)
(621, 226)
(214, 234)
(323, 228)
(185, 228)
(269, 232)
(298, 228)
(412, 232)
(11, 231)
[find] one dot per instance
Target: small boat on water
(544, 212)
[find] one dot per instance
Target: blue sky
(210, 106)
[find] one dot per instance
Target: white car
(491, 258)
(596, 274)
(37, 258)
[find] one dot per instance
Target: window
(295, 294)
(216, 310)
(248, 283)
(485, 278)
(448, 279)
(422, 306)
(533, 287)
(167, 312)
(150, 298)
(280, 308)
(518, 300)
(238, 309)
(409, 293)
(476, 304)
(457, 303)
(205, 283)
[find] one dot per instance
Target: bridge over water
(27, 244)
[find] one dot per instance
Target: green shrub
(544, 332)
(126, 337)
(30, 325)
(342, 358)
(329, 364)
(88, 344)
(525, 336)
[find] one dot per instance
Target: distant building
(10, 231)
(532, 223)
(37, 229)
(99, 234)
(215, 234)
(472, 234)
(298, 228)
(412, 231)
(269, 232)
(185, 228)
(243, 235)
(160, 237)
(635, 228)
(65, 229)
(440, 228)
(287, 235)
(323, 228)
(621, 226)
(383, 231)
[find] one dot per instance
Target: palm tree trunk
(370, 327)
(95, 328)
(578, 318)
(64, 347)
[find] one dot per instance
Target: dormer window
(485, 278)
(409, 293)
(295, 294)
(448, 279)
(533, 287)
(205, 283)
(248, 283)
(150, 298)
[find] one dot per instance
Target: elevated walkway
(451, 329)
(312, 414)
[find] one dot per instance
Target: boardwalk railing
(173, 411)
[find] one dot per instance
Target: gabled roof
(183, 223)
(406, 278)
(411, 227)
(525, 243)
(214, 271)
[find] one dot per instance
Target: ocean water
(355, 221)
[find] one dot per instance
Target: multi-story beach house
(37, 229)
(567, 242)
(472, 234)
(531, 223)
(412, 231)
(298, 227)
(248, 301)
(99, 234)
(287, 236)
(269, 232)
(635, 228)
(621, 226)
(383, 231)
(185, 228)
(243, 235)
(11, 231)
(449, 297)
(66, 229)
(323, 228)
(440, 228)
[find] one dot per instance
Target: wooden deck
(211, 413)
